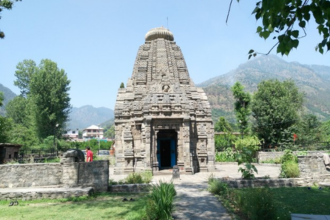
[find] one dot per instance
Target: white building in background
(93, 132)
(71, 134)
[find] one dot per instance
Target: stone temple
(161, 118)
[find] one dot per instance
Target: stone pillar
(70, 172)
(186, 146)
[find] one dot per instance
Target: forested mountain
(8, 95)
(313, 80)
(88, 115)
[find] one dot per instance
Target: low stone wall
(94, 174)
(52, 193)
(312, 166)
(274, 182)
(29, 175)
(69, 174)
(130, 188)
(263, 156)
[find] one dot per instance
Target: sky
(96, 42)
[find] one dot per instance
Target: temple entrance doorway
(167, 149)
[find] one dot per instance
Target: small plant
(217, 187)
(248, 171)
(288, 156)
(160, 201)
(226, 156)
(143, 177)
(134, 178)
(290, 169)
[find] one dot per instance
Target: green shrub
(290, 169)
(288, 156)
(160, 202)
(143, 177)
(248, 171)
(226, 156)
(134, 178)
(217, 187)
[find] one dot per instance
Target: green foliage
(325, 127)
(290, 169)
(309, 130)
(255, 203)
(1, 98)
(288, 156)
(248, 171)
(217, 187)
(160, 201)
(122, 85)
(247, 148)
(242, 106)
(224, 141)
(272, 161)
(18, 110)
(25, 70)
(226, 156)
(222, 125)
(5, 127)
(143, 177)
(285, 22)
(49, 91)
(275, 108)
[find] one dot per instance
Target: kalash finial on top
(159, 32)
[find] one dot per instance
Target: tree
(275, 107)
(122, 85)
(5, 4)
(222, 125)
(1, 98)
(285, 21)
(49, 88)
(309, 130)
(5, 127)
(24, 72)
(17, 109)
(242, 106)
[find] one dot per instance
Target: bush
(290, 169)
(288, 156)
(226, 156)
(217, 187)
(160, 201)
(144, 177)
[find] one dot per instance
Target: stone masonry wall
(262, 156)
(93, 174)
(312, 166)
(29, 175)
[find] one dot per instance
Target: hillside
(313, 80)
(88, 115)
(8, 95)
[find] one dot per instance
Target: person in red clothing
(89, 155)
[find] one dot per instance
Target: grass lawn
(301, 200)
(103, 206)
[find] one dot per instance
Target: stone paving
(193, 201)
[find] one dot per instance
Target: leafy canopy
(242, 106)
(275, 108)
(285, 21)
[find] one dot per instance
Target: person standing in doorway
(89, 155)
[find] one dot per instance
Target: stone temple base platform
(32, 193)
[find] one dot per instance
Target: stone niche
(161, 118)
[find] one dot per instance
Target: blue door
(166, 152)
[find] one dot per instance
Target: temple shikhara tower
(161, 118)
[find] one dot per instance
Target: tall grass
(160, 201)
